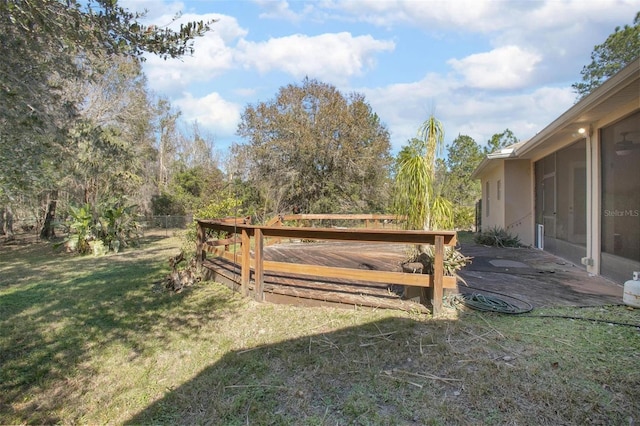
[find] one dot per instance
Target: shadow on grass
(59, 311)
(400, 371)
(357, 375)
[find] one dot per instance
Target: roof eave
(600, 93)
(504, 154)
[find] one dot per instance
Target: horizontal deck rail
(241, 231)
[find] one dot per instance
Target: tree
(416, 194)
(618, 50)
(463, 157)
(106, 149)
(315, 149)
(188, 169)
(115, 136)
(45, 44)
(499, 141)
(167, 146)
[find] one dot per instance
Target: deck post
(200, 240)
(437, 292)
(259, 265)
(245, 271)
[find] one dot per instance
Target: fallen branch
(429, 376)
(179, 279)
(256, 386)
(398, 379)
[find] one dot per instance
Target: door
(549, 209)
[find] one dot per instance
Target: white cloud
(279, 10)
(214, 56)
(403, 107)
(563, 33)
(212, 112)
(225, 48)
(508, 67)
(330, 57)
(472, 15)
(479, 114)
(532, 52)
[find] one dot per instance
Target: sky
(479, 66)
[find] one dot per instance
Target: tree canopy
(463, 157)
(77, 123)
(619, 49)
(46, 47)
(499, 141)
(316, 150)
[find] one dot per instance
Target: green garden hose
(486, 303)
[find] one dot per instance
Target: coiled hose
(487, 303)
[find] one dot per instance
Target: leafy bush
(166, 204)
(80, 229)
(497, 237)
(116, 226)
(99, 229)
(225, 206)
(464, 217)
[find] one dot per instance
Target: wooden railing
(254, 236)
(372, 220)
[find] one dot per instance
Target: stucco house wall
(492, 199)
(518, 200)
(576, 181)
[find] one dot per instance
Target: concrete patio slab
(535, 277)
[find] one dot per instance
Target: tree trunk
(48, 231)
(7, 223)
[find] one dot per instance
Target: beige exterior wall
(598, 121)
(518, 208)
(492, 207)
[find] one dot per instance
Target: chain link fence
(165, 221)
(29, 229)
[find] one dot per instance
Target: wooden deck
(322, 291)
(307, 265)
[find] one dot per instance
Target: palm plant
(81, 229)
(416, 194)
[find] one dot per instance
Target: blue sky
(479, 66)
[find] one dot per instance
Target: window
(620, 197)
(486, 196)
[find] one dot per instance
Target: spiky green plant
(416, 195)
(497, 237)
(81, 229)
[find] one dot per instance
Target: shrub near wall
(497, 237)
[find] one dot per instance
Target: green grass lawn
(96, 340)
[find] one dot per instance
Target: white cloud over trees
(529, 54)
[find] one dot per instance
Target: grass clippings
(93, 341)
